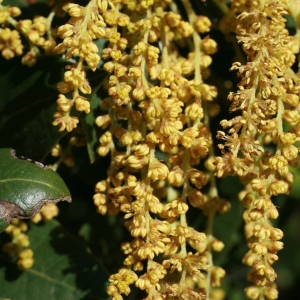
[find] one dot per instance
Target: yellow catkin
(155, 119)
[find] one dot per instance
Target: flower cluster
(18, 249)
(48, 212)
(156, 111)
(156, 106)
(10, 41)
(36, 32)
(85, 25)
(268, 96)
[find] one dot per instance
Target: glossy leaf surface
(25, 186)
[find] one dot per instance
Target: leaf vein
(29, 180)
(46, 277)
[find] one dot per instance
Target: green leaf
(25, 186)
(101, 44)
(295, 192)
(88, 120)
(101, 243)
(23, 3)
(229, 187)
(3, 224)
(28, 102)
(63, 269)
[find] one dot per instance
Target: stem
(143, 62)
(183, 222)
(49, 22)
(164, 41)
(209, 236)
(196, 38)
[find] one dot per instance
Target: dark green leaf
(231, 220)
(101, 44)
(88, 120)
(27, 104)
(295, 192)
(101, 243)
(25, 186)
(63, 269)
(22, 3)
(3, 224)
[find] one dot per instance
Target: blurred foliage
(63, 268)
(75, 254)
